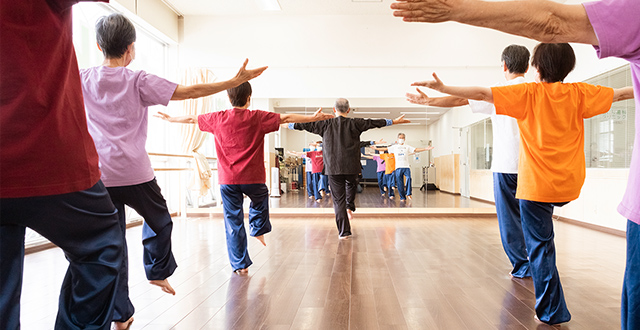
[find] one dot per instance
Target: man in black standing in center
(341, 141)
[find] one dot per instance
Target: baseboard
(592, 226)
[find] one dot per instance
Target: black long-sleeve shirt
(341, 141)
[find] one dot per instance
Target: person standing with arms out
(401, 152)
(49, 175)
(506, 146)
(317, 166)
(551, 169)
(239, 135)
(611, 26)
(117, 100)
(341, 140)
(389, 171)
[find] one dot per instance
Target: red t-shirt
(45, 147)
(239, 136)
(317, 163)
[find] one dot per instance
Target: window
(609, 137)
(481, 145)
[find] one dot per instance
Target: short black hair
(553, 61)
(114, 34)
(240, 94)
(516, 58)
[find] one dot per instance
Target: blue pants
(631, 287)
(381, 181)
(403, 173)
(316, 185)
(159, 263)
(324, 183)
(508, 211)
(390, 181)
(537, 226)
(232, 198)
(310, 186)
(84, 224)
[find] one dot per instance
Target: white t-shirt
(401, 153)
(506, 135)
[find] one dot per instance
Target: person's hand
(319, 115)
(163, 116)
(428, 11)
(381, 141)
(435, 84)
(429, 147)
(401, 120)
(246, 75)
(420, 98)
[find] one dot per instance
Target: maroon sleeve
(270, 121)
(207, 122)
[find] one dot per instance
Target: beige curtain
(192, 137)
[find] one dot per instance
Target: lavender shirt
(116, 101)
(617, 25)
(380, 162)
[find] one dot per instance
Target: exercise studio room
(330, 165)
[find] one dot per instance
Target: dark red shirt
(239, 136)
(317, 163)
(45, 147)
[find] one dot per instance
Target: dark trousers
(310, 189)
(537, 226)
(390, 181)
(631, 287)
(159, 263)
(344, 194)
(84, 225)
(381, 181)
(508, 211)
(403, 173)
(232, 198)
(316, 185)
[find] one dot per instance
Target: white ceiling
(289, 7)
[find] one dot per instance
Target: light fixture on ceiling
(269, 5)
(372, 112)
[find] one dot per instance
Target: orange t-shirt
(551, 121)
(390, 163)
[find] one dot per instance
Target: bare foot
(345, 237)
(409, 197)
(310, 197)
(350, 215)
(126, 325)
(318, 200)
(261, 239)
(164, 285)
(242, 271)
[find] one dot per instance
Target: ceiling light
(271, 5)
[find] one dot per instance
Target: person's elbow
(183, 93)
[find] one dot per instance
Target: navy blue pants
(232, 198)
(316, 185)
(310, 189)
(631, 287)
(537, 226)
(84, 225)
(381, 182)
(324, 184)
(390, 181)
(403, 173)
(508, 211)
(159, 263)
(344, 196)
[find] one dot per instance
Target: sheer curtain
(192, 137)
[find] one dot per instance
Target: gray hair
(114, 34)
(401, 134)
(342, 105)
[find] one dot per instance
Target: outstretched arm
(471, 93)
(190, 119)
(366, 156)
(379, 148)
(296, 153)
(445, 102)
(297, 118)
(621, 94)
(422, 149)
(542, 20)
(201, 90)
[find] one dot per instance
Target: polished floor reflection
(371, 198)
(397, 273)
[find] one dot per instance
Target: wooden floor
(397, 273)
